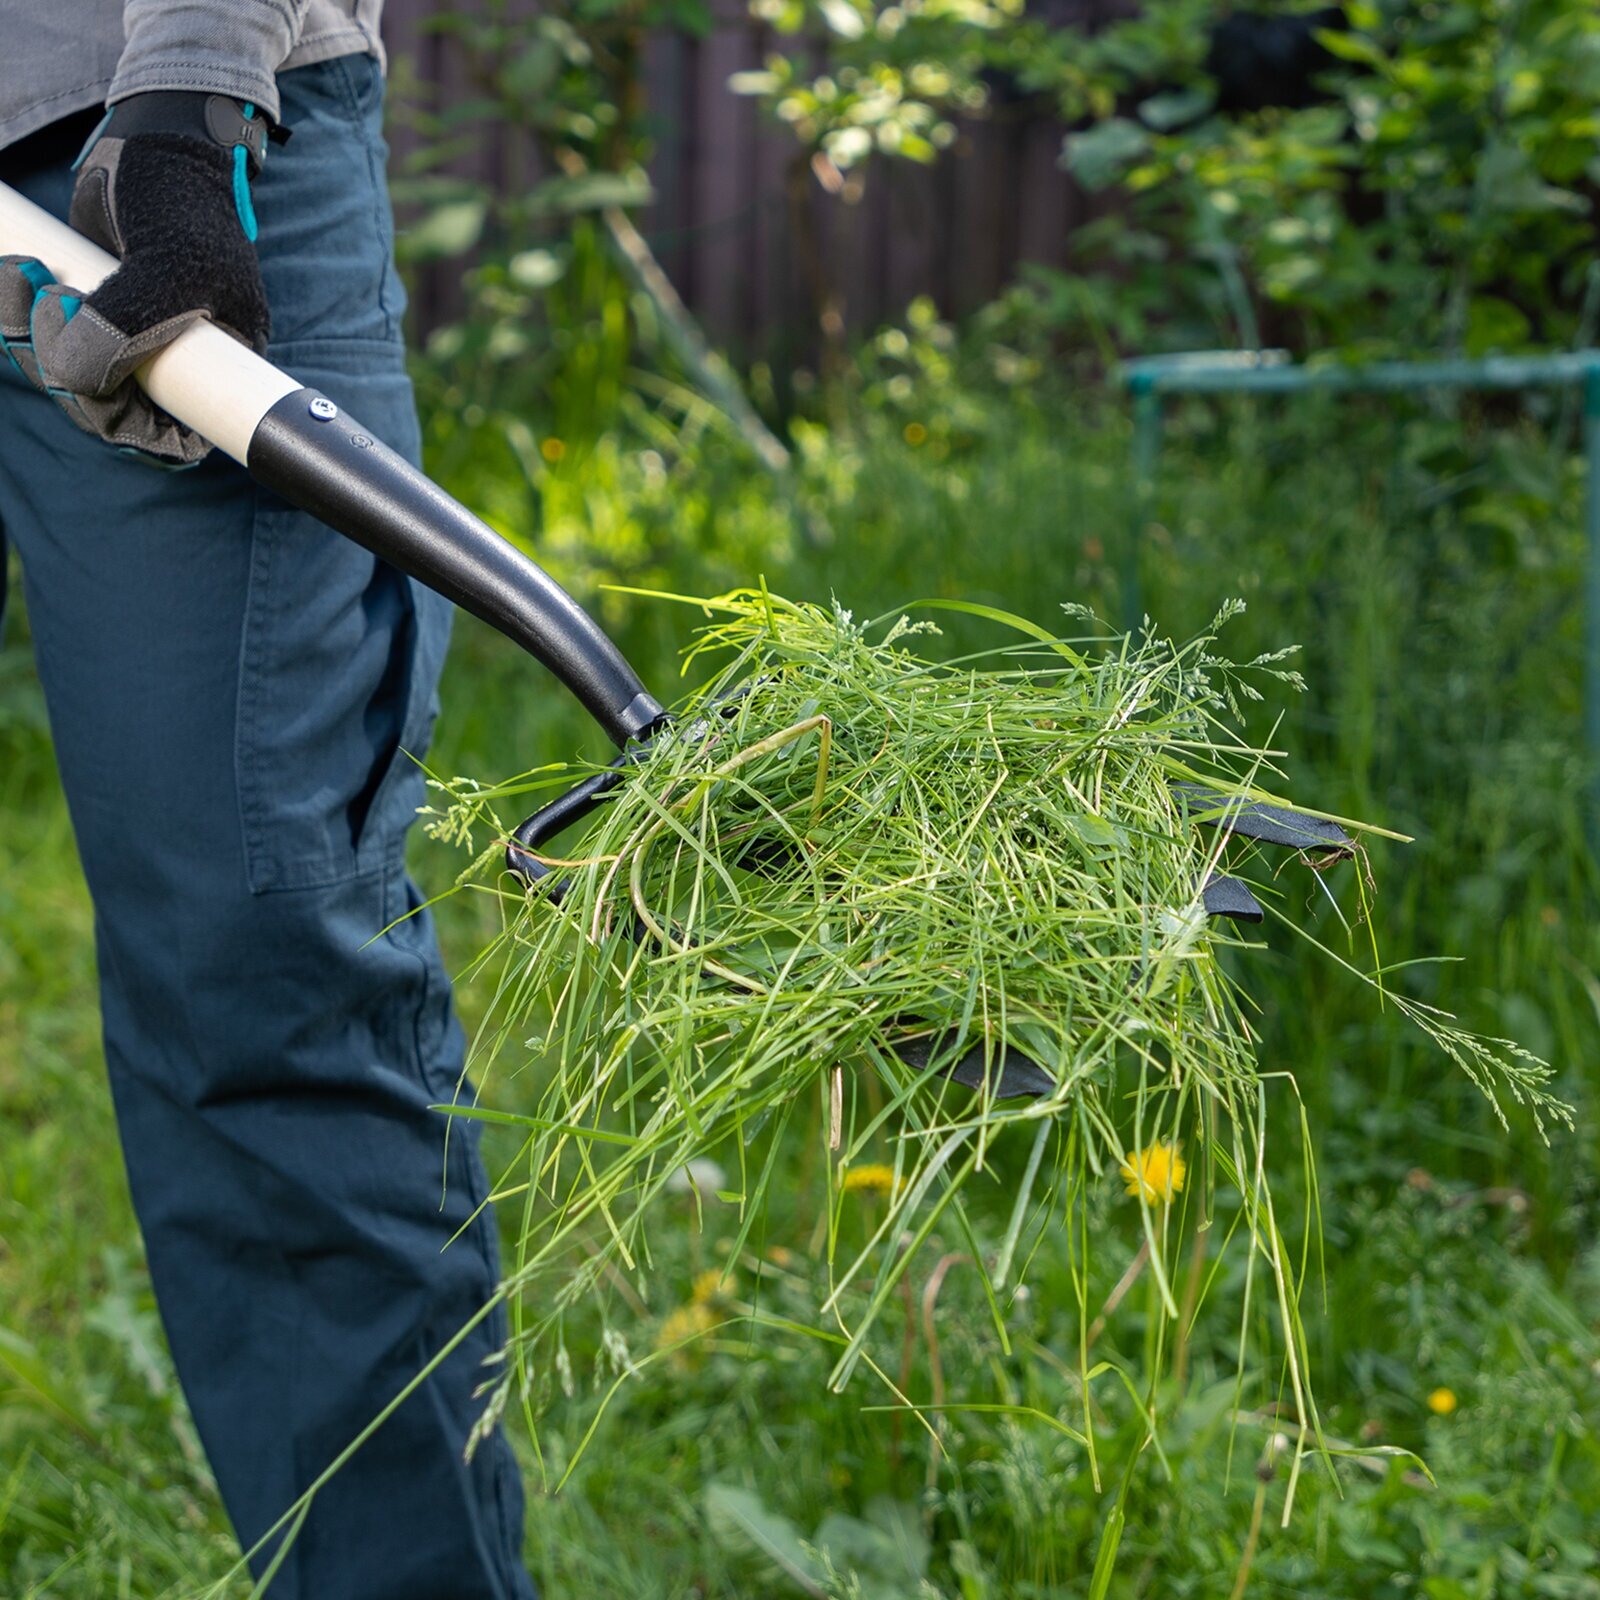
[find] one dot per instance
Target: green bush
(1441, 199)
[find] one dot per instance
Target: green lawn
(1430, 565)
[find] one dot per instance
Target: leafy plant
(564, 81)
(1442, 197)
(1440, 194)
(894, 76)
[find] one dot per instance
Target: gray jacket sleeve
(224, 46)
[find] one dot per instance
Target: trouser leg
(232, 691)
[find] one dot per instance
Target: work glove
(164, 183)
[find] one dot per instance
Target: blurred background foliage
(1429, 189)
(1382, 177)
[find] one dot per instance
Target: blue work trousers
(233, 691)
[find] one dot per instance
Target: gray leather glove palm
(164, 184)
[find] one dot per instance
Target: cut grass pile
(845, 859)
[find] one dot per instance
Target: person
(236, 695)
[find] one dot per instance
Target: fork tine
(1009, 1075)
(1228, 897)
(1257, 819)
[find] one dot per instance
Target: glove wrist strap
(219, 119)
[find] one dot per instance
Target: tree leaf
(1508, 180)
(535, 269)
(589, 191)
(1097, 158)
(1351, 47)
(1176, 107)
(1495, 324)
(447, 230)
(842, 18)
(754, 82)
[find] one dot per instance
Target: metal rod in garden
(1591, 610)
(1267, 372)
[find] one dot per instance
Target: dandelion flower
(1156, 1172)
(873, 1177)
(1442, 1402)
(681, 1328)
(709, 1285)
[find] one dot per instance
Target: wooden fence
(723, 222)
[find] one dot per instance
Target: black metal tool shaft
(322, 460)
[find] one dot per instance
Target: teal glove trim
(241, 193)
(16, 320)
(241, 183)
(30, 322)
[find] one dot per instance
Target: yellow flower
(915, 434)
(873, 1176)
(552, 449)
(682, 1326)
(1442, 1402)
(712, 1284)
(1156, 1172)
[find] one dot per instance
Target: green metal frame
(1149, 379)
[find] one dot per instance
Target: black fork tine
(1228, 897)
(585, 797)
(561, 813)
(1257, 819)
(1008, 1073)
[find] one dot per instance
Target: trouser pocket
(339, 667)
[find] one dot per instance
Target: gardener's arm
(231, 47)
(165, 185)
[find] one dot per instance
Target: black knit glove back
(165, 185)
